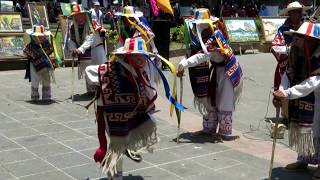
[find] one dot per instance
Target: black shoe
(136, 157)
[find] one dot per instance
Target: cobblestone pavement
(57, 141)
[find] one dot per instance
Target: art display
(10, 22)
(38, 14)
(6, 6)
(270, 26)
(241, 30)
(11, 46)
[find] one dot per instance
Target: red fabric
(277, 78)
(222, 29)
(102, 150)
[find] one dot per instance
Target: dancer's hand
(180, 70)
(76, 52)
(279, 94)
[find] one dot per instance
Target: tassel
(102, 150)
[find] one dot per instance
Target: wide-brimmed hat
(293, 6)
(96, 3)
(129, 11)
(307, 29)
(203, 15)
(38, 30)
(133, 46)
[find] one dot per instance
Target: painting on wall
(38, 14)
(6, 6)
(10, 22)
(241, 30)
(11, 46)
(270, 26)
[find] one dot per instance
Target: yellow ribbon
(174, 72)
(140, 30)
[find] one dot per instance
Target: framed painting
(241, 30)
(6, 6)
(270, 26)
(10, 22)
(11, 46)
(38, 14)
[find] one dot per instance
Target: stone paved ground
(56, 141)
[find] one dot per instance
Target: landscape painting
(241, 30)
(10, 22)
(11, 46)
(270, 26)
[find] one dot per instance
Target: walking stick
(181, 94)
(72, 85)
(275, 133)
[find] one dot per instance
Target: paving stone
(6, 144)
(215, 161)
(130, 165)
(67, 135)
(53, 175)
(92, 131)
(69, 159)
(4, 118)
(28, 167)
(38, 122)
(91, 171)
(49, 149)
(150, 174)
(10, 125)
(185, 168)
(21, 132)
(159, 157)
(4, 174)
(25, 115)
(15, 155)
(66, 117)
(82, 144)
(34, 140)
(52, 128)
(89, 152)
(188, 151)
(81, 124)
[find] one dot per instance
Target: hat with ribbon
(307, 29)
(135, 45)
(293, 6)
(129, 11)
(203, 15)
(38, 30)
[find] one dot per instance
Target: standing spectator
(96, 13)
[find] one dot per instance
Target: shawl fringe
(144, 136)
(301, 140)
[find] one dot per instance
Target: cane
(72, 83)
(181, 94)
(275, 133)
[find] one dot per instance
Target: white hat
(133, 46)
(96, 3)
(293, 6)
(307, 29)
(38, 30)
(129, 11)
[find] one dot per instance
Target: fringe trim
(301, 140)
(200, 104)
(144, 136)
(238, 92)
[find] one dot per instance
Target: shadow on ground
(281, 173)
(130, 177)
(82, 97)
(190, 137)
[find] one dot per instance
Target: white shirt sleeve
(285, 84)
(87, 43)
(92, 75)
(195, 60)
(304, 88)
